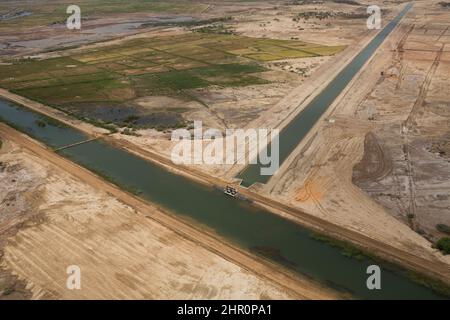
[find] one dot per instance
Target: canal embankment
(255, 230)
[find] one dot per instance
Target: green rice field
(161, 66)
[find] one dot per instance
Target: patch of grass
(130, 132)
(443, 228)
(263, 57)
(101, 90)
(131, 119)
(180, 80)
(241, 81)
(434, 284)
(55, 123)
(173, 82)
(108, 126)
(41, 123)
(215, 28)
(229, 69)
(96, 74)
(350, 2)
(167, 83)
(8, 291)
(347, 249)
(170, 65)
(28, 69)
(324, 50)
(443, 245)
(320, 15)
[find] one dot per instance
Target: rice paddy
(161, 66)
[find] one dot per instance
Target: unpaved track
(299, 287)
(53, 113)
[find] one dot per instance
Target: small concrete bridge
(76, 144)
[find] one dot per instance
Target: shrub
(444, 245)
(8, 291)
(131, 119)
(41, 123)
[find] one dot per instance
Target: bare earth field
(409, 148)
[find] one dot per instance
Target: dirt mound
(375, 163)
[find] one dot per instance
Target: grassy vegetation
(349, 250)
(173, 82)
(8, 291)
(431, 283)
(312, 15)
(130, 132)
(158, 65)
(324, 51)
(443, 228)
(41, 123)
(171, 66)
(216, 28)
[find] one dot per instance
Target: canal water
(298, 128)
(240, 223)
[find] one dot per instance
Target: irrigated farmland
(103, 84)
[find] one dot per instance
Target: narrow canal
(248, 227)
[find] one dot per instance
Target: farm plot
(116, 76)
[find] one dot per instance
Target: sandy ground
(409, 142)
(50, 220)
(318, 177)
(278, 22)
